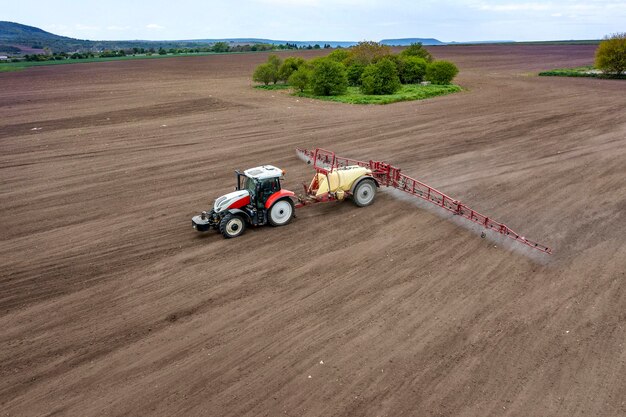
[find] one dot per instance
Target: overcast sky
(446, 20)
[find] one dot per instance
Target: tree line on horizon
(219, 47)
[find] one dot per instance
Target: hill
(16, 37)
(300, 44)
(24, 37)
(408, 41)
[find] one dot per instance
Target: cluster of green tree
(316, 46)
(249, 47)
(611, 55)
(112, 54)
(369, 65)
(60, 56)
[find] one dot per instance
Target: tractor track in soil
(111, 305)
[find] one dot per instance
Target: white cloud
(513, 7)
(118, 28)
(294, 3)
(324, 4)
(558, 7)
(80, 26)
(154, 26)
(57, 29)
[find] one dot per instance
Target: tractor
(258, 198)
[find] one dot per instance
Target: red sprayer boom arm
(390, 176)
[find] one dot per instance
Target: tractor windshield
(249, 184)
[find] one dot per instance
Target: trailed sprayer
(259, 198)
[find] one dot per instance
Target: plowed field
(111, 305)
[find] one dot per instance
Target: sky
(337, 20)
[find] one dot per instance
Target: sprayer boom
(390, 176)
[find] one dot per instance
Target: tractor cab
(260, 182)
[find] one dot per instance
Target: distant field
(489, 43)
(17, 66)
(572, 42)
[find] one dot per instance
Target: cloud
(58, 29)
(512, 7)
(154, 26)
(118, 28)
(80, 26)
(292, 3)
(557, 7)
(323, 4)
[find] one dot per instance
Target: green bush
(380, 78)
(300, 78)
(441, 72)
(220, 47)
(367, 52)
(339, 55)
(265, 73)
(412, 69)
(391, 57)
(354, 71)
(274, 61)
(611, 54)
(329, 78)
(289, 66)
(417, 50)
(312, 63)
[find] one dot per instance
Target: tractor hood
(227, 200)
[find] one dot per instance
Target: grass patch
(9, 68)
(586, 71)
(272, 87)
(408, 92)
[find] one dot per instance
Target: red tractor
(257, 200)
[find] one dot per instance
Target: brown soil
(111, 305)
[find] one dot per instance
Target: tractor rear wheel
(232, 226)
(281, 212)
(364, 193)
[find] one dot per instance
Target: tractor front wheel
(281, 212)
(232, 226)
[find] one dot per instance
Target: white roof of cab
(263, 172)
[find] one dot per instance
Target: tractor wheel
(281, 212)
(364, 193)
(232, 226)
